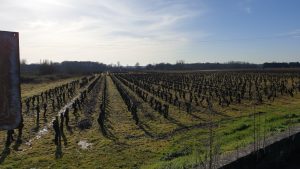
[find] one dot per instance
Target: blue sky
(153, 31)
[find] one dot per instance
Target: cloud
(104, 16)
(294, 33)
(47, 26)
(290, 34)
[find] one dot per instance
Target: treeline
(74, 67)
(67, 67)
(282, 65)
(220, 66)
(202, 66)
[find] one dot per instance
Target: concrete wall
(283, 154)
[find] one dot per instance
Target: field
(151, 119)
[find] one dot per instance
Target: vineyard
(150, 119)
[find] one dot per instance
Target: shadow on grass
(17, 145)
(58, 152)
(107, 133)
(19, 137)
(64, 138)
(69, 129)
(147, 133)
(4, 154)
(174, 121)
(196, 117)
(36, 128)
(45, 120)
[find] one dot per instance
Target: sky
(154, 31)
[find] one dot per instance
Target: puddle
(84, 144)
(42, 132)
(45, 129)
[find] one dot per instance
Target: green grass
(231, 135)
